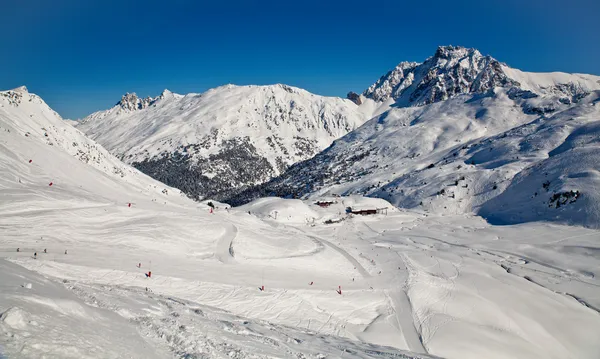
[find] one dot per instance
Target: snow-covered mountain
(36, 135)
(468, 134)
(226, 138)
(455, 70)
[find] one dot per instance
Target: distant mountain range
(467, 134)
(458, 133)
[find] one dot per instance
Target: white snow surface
(51, 321)
(413, 284)
(546, 82)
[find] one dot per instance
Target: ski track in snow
(403, 312)
(224, 250)
(363, 272)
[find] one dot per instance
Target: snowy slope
(455, 154)
(34, 137)
(396, 285)
(564, 185)
(40, 318)
(202, 299)
(225, 138)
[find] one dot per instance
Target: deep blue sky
(82, 55)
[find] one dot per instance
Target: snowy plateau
(484, 242)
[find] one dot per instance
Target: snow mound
(281, 210)
(358, 203)
(15, 318)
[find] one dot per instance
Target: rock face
(131, 102)
(450, 72)
(218, 142)
(354, 97)
(392, 84)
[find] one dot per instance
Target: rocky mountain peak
(131, 102)
(453, 70)
(393, 83)
(220, 141)
(455, 52)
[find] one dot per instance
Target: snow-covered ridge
(455, 70)
(28, 123)
(225, 138)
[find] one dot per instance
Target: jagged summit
(456, 70)
(393, 83)
(131, 102)
(451, 71)
(450, 52)
(166, 94)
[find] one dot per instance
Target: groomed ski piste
(276, 278)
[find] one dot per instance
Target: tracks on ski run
(346, 255)
(401, 306)
(224, 249)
